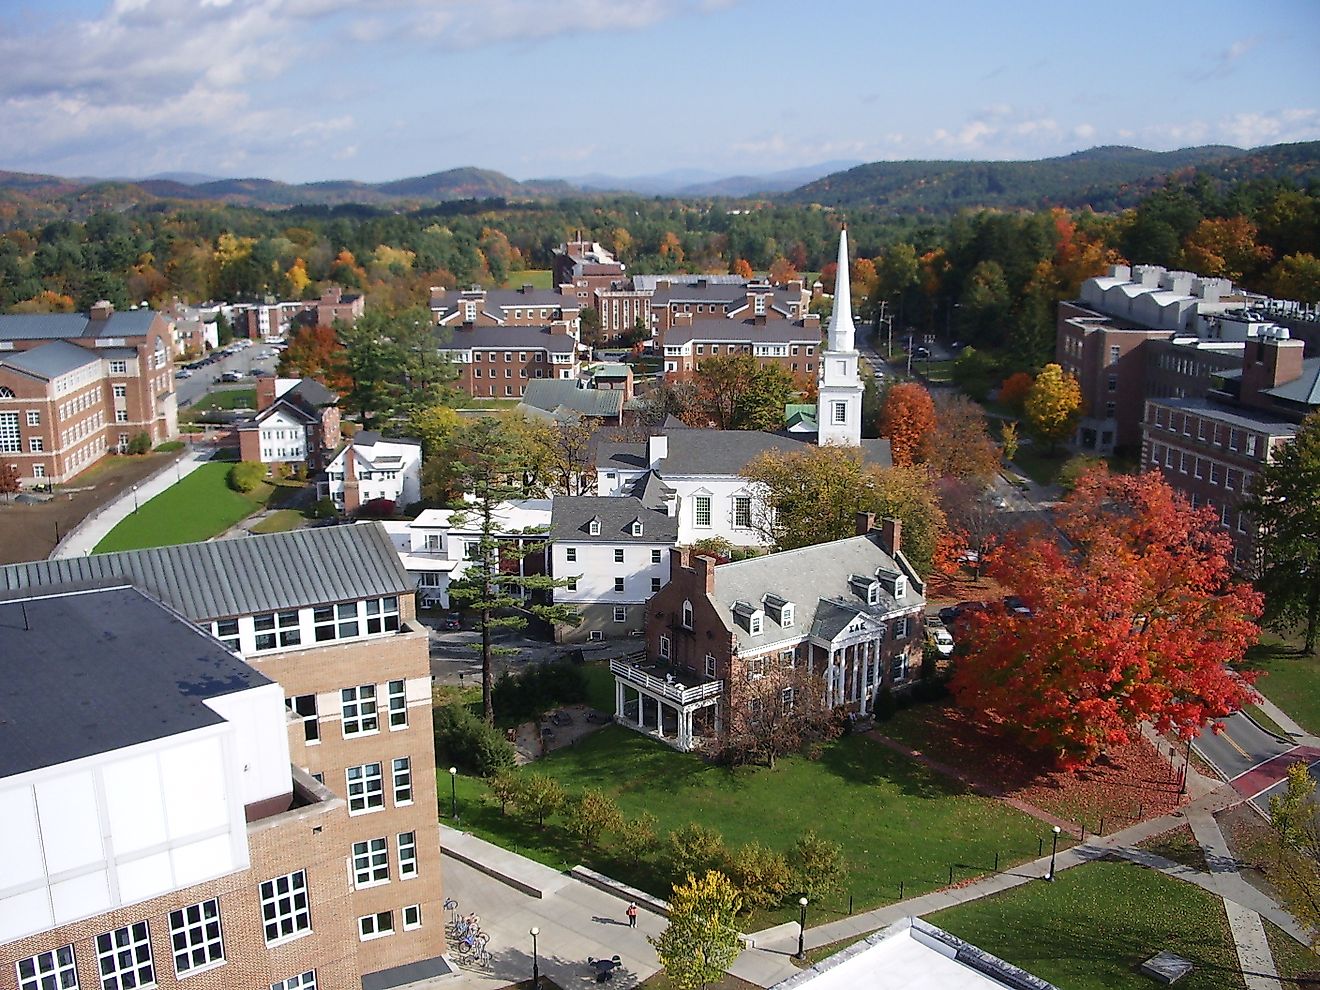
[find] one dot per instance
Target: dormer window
(786, 615)
(636, 529)
(873, 594)
(469, 312)
(754, 624)
(780, 608)
(900, 586)
(593, 527)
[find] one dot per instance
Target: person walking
(632, 914)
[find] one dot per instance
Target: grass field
(230, 398)
(1092, 928)
(537, 278)
(280, 521)
(199, 507)
(1040, 467)
(895, 820)
(1291, 680)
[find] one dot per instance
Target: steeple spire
(842, 333)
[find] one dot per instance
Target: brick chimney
(705, 568)
(1271, 360)
(865, 522)
(102, 310)
(682, 320)
(811, 322)
(891, 536)
(678, 561)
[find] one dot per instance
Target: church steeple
(842, 333)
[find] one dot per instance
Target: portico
(852, 662)
(675, 707)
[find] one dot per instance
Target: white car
(940, 638)
(183, 373)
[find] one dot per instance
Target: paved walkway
(92, 530)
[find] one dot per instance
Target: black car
(453, 622)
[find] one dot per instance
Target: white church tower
(839, 405)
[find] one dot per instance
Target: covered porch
(677, 707)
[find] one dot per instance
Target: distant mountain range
(1103, 178)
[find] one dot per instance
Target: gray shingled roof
(242, 576)
(50, 360)
(651, 490)
(53, 326)
(816, 580)
(91, 672)
(554, 394)
(498, 300)
(311, 393)
(571, 515)
(507, 338)
(743, 331)
(1303, 390)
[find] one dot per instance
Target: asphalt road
(189, 390)
(1256, 762)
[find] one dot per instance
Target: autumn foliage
(317, 352)
(1139, 619)
(1013, 392)
(908, 420)
(1054, 404)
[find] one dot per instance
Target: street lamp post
(1187, 765)
(536, 960)
(1053, 849)
(135, 500)
(453, 793)
(802, 928)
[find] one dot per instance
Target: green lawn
(199, 507)
(895, 820)
(537, 278)
(230, 398)
(1289, 680)
(600, 686)
(280, 521)
(1092, 928)
(1040, 467)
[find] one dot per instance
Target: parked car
(183, 373)
(921, 352)
(232, 376)
(453, 622)
(940, 638)
(1015, 604)
(261, 373)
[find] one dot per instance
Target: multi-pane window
(195, 937)
(901, 627)
(570, 554)
(710, 665)
(9, 439)
(124, 958)
(412, 917)
(618, 555)
(397, 692)
(359, 710)
(655, 584)
(687, 615)
(701, 510)
(407, 854)
(664, 647)
(303, 981)
(366, 788)
(34, 417)
(655, 556)
(382, 615)
(402, 770)
(303, 707)
(276, 629)
(118, 367)
(618, 585)
(371, 862)
(620, 613)
(346, 615)
(898, 668)
(742, 511)
(376, 925)
(36, 445)
(54, 970)
(285, 912)
(839, 412)
(323, 622)
(226, 630)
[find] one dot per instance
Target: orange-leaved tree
(317, 352)
(908, 419)
(1013, 392)
(1138, 618)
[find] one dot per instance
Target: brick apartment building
(850, 611)
(581, 268)
(297, 422)
(521, 307)
(793, 345)
(274, 320)
(499, 361)
(328, 616)
(1211, 449)
(74, 387)
(759, 301)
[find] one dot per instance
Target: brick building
(792, 345)
(327, 615)
(1212, 448)
(499, 361)
(581, 268)
(274, 320)
(521, 307)
(759, 301)
(297, 422)
(75, 387)
(850, 611)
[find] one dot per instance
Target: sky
(305, 90)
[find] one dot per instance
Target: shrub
(246, 475)
(591, 814)
(636, 837)
(504, 788)
(325, 508)
(885, 706)
(816, 865)
(140, 444)
(464, 740)
(694, 849)
(378, 508)
(169, 446)
(761, 875)
(539, 796)
(1013, 392)
(528, 693)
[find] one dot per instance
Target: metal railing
(659, 686)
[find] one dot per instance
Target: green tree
(592, 814)
(738, 393)
(1294, 819)
(817, 865)
(394, 365)
(504, 788)
(702, 939)
(760, 874)
(589, 318)
(1008, 439)
(490, 466)
(636, 837)
(696, 848)
(1285, 504)
(539, 796)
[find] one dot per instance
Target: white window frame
(570, 554)
(370, 862)
(665, 651)
(412, 917)
(303, 981)
(123, 958)
(396, 693)
(754, 624)
(197, 926)
(358, 711)
(700, 508)
(618, 555)
(401, 779)
(687, 615)
(56, 968)
(285, 907)
(710, 665)
(619, 584)
(406, 843)
(742, 512)
(365, 788)
(372, 926)
(838, 413)
(620, 613)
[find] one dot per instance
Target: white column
(618, 699)
(856, 671)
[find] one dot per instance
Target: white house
(372, 468)
(615, 554)
(436, 546)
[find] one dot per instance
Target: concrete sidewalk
(83, 539)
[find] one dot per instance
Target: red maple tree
(1136, 618)
(317, 352)
(908, 420)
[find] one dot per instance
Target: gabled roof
(51, 360)
(817, 579)
(720, 452)
(93, 671)
(561, 395)
(53, 326)
(240, 577)
(743, 331)
(507, 338)
(571, 515)
(495, 302)
(651, 491)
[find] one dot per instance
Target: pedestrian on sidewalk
(632, 914)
